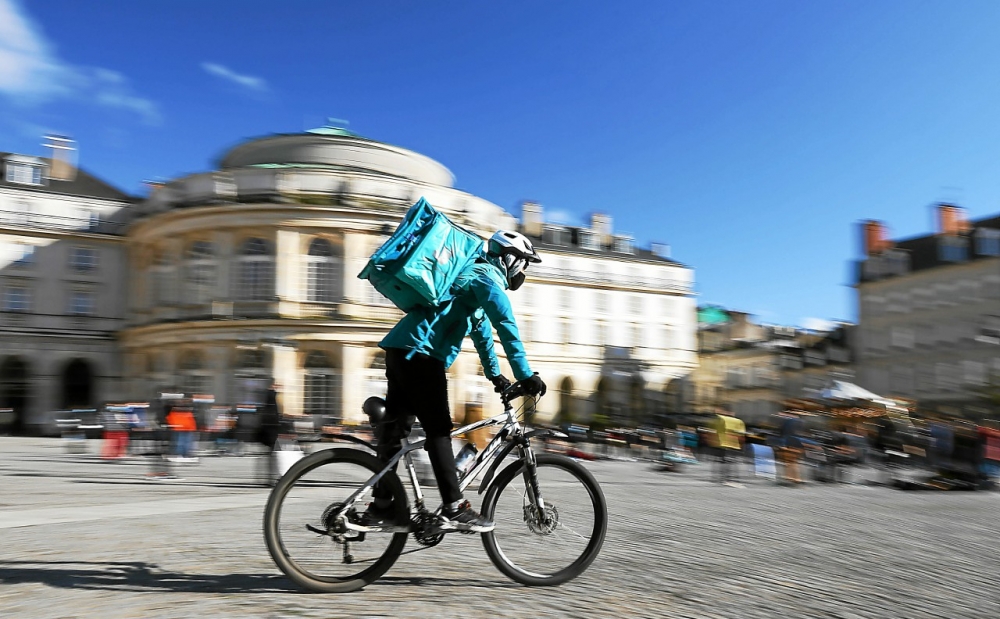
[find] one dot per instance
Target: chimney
(600, 224)
(62, 161)
(532, 218)
(873, 238)
(951, 220)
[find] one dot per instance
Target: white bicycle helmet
(515, 252)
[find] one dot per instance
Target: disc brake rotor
(541, 527)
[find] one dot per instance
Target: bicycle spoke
(310, 506)
(552, 546)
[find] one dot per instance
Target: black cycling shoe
(464, 518)
(376, 517)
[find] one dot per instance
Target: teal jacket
(480, 304)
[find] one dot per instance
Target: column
(285, 370)
(352, 375)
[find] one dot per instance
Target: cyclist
(421, 347)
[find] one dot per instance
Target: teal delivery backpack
(418, 264)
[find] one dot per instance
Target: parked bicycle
(550, 513)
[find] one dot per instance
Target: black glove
(500, 383)
(534, 385)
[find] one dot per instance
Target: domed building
(249, 273)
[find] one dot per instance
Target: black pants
(418, 388)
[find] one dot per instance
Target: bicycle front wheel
(302, 532)
(550, 551)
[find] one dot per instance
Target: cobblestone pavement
(86, 538)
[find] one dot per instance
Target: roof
(637, 254)
(923, 251)
(712, 314)
(85, 185)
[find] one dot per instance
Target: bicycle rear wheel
(300, 528)
(543, 553)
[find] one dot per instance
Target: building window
(557, 235)
(565, 298)
(81, 303)
(668, 338)
(24, 174)
(252, 377)
(952, 249)
(635, 305)
(159, 280)
(623, 245)
(602, 301)
(256, 272)
(526, 329)
(200, 270)
(16, 299)
(321, 272)
(565, 327)
(988, 242)
(83, 259)
(589, 240)
(194, 379)
(321, 390)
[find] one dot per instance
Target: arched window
(15, 391)
(256, 272)
(200, 272)
(322, 393)
(78, 384)
(322, 272)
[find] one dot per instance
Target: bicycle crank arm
(350, 526)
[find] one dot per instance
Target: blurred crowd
(793, 448)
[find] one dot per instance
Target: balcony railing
(593, 278)
(45, 221)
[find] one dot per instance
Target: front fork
(530, 474)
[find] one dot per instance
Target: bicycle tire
(272, 515)
(599, 529)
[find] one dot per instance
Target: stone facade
(929, 314)
(249, 272)
(62, 289)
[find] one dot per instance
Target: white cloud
(818, 324)
(31, 71)
(246, 81)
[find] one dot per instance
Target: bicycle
(538, 540)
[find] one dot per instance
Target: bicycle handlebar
(515, 390)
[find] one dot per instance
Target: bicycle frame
(512, 430)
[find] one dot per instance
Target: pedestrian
(269, 430)
(182, 423)
(789, 442)
(115, 433)
(730, 432)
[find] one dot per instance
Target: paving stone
(82, 538)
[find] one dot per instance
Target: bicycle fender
(350, 439)
(510, 447)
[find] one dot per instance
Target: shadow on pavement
(136, 576)
(414, 581)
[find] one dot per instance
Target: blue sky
(750, 136)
